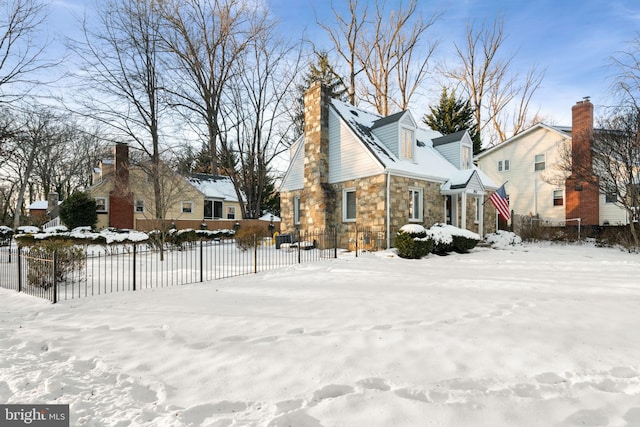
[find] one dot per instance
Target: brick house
(353, 168)
(538, 182)
(125, 198)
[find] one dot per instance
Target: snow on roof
(39, 204)
(269, 217)
(214, 186)
(427, 163)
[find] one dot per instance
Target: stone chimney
(318, 198)
(582, 186)
(121, 198)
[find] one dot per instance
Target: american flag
(500, 200)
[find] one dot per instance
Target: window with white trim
(296, 210)
(478, 201)
(558, 198)
(504, 166)
(139, 206)
(349, 205)
(231, 212)
(611, 196)
(415, 204)
(101, 204)
(539, 162)
(406, 144)
(187, 207)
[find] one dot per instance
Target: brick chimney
(582, 186)
(121, 197)
(318, 197)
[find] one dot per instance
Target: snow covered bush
(5, 235)
(502, 238)
(412, 242)
(448, 238)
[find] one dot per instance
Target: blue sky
(573, 40)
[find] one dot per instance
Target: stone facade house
(125, 197)
(353, 168)
(533, 164)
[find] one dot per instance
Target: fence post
(9, 252)
(356, 227)
(55, 276)
(19, 269)
(335, 242)
(135, 252)
(255, 254)
(299, 242)
(201, 263)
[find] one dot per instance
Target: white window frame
(558, 198)
(499, 165)
(537, 162)
(231, 212)
(608, 195)
(345, 193)
(416, 215)
(138, 206)
(106, 207)
(465, 160)
(187, 207)
(407, 138)
(296, 210)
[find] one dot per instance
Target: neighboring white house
(531, 165)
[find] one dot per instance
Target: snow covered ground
(527, 335)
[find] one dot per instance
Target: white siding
(529, 192)
(407, 120)
(294, 180)
(612, 213)
(348, 157)
(451, 152)
(389, 135)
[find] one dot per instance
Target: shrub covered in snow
(448, 238)
(412, 242)
(502, 238)
(5, 235)
(79, 235)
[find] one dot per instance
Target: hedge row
(414, 241)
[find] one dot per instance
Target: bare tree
(346, 39)
(21, 57)
(499, 96)
(616, 150)
(207, 39)
(122, 69)
(387, 49)
(626, 65)
(259, 112)
(387, 56)
(38, 133)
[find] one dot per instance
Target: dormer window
(406, 143)
(466, 158)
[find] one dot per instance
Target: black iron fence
(67, 273)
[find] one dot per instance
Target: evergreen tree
(319, 71)
(452, 115)
(78, 210)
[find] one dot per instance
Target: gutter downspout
(388, 209)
